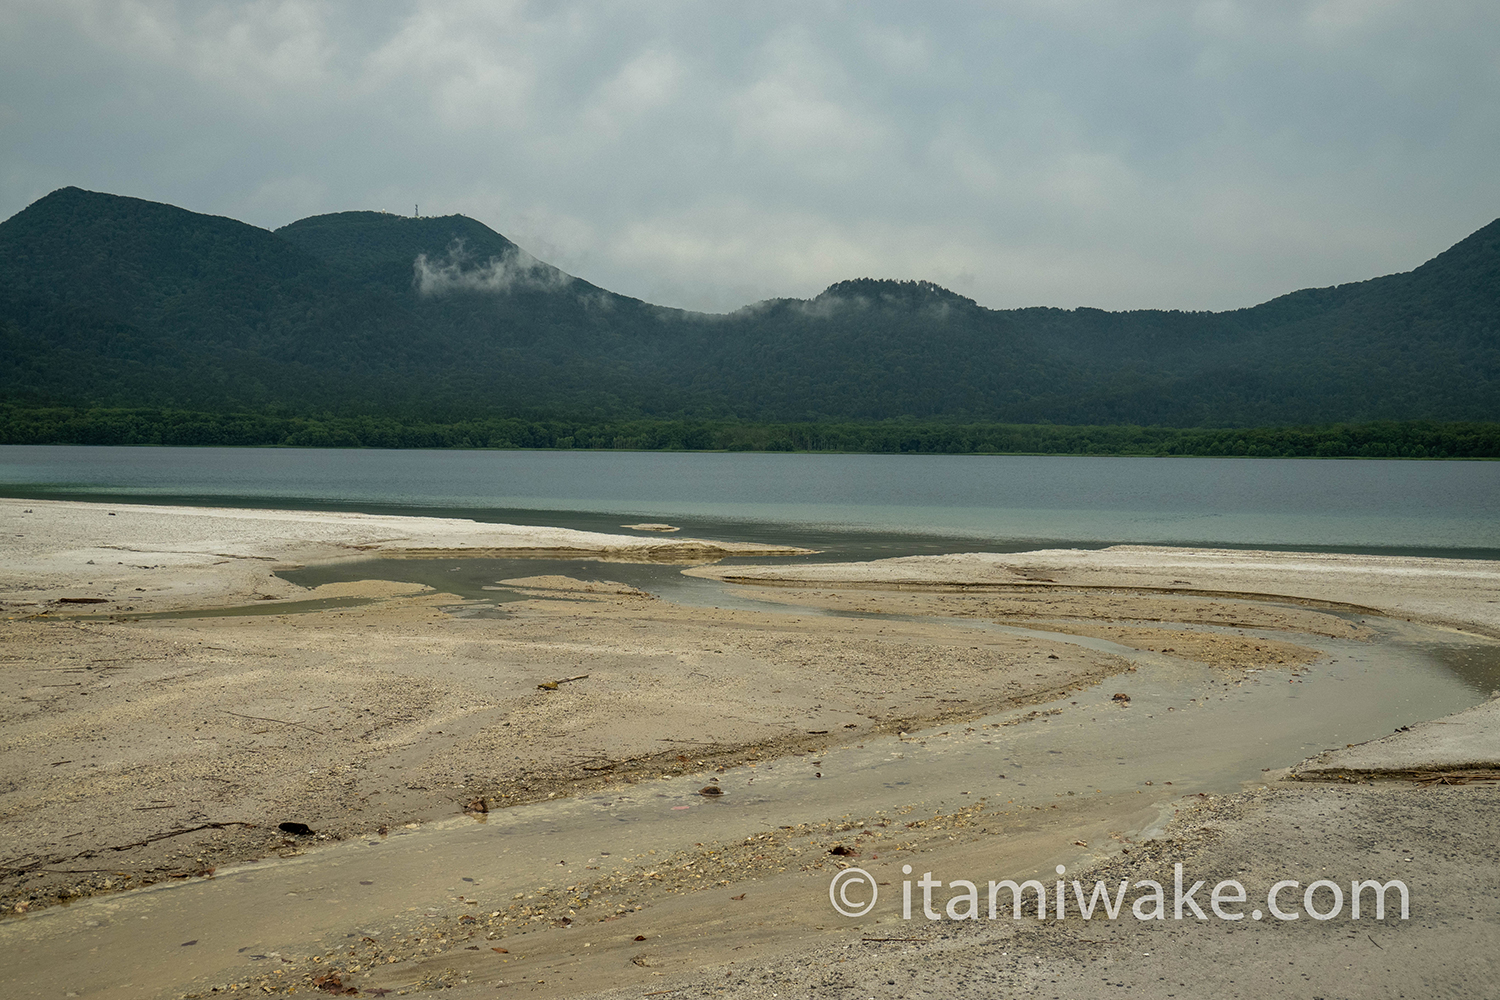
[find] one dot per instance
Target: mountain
(117, 301)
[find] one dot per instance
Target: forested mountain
(117, 301)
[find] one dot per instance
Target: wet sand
(1458, 593)
(139, 751)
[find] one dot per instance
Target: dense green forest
(185, 428)
(383, 320)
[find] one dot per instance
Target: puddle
(477, 580)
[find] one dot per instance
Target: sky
(1119, 155)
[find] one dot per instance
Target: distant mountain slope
(1425, 341)
(514, 330)
(120, 301)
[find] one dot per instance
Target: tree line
(172, 427)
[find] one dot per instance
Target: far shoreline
(150, 426)
(279, 446)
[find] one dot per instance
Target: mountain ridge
(119, 301)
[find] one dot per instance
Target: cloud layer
(456, 271)
(1060, 152)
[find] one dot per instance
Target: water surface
(858, 505)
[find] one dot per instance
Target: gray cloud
(1115, 153)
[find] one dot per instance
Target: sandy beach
(142, 749)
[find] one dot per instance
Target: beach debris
(738, 898)
(476, 806)
(187, 944)
(503, 951)
(640, 937)
(1121, 696)
(1053, 656)
(842, 851)
(553, 685)
(710, 790)
(331, 983)
(1428, 778)
(296, 829)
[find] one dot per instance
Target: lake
(851, 505)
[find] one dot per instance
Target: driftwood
(262, 718)
(552, 685)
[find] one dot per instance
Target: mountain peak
(381, 246)
(892, 292)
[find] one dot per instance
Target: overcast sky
(1194, 155)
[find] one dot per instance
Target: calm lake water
(859, 504)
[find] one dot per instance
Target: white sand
(158, 558)
(1461, 593)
